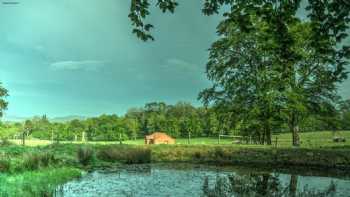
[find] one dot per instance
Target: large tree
(330, 17)
(329, 21)
(249, 75)
(245, 77)
(344, 113)
(3, 103)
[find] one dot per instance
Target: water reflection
(261, 185)
(200, 180)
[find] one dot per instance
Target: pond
(203, 180)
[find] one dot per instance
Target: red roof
(156, 135)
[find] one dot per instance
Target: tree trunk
(295, 133)
(83, 136)
(268, 133)
(261, 137)
(293, 184)
(263, 185)
(268, 137)
(294, 128)
(23, 139)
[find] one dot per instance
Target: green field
(308, 140)
(35, 170)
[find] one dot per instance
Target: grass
(36, 142)
(308, 140)
(314, 139)
(85, 155)
(37, 183)
(37, 169)
(126, 154)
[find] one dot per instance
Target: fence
(277, 141)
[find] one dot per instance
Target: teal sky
(78, 57)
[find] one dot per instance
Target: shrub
(4, 165)
(138, 156)
(31, 162)
(46, 159)
(219, 153)
(85, 155)
(110, 154)
(5, 142)
(127, 155)
(197, 155)
(36, 161)
(39, 183)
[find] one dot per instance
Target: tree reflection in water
(260, 185)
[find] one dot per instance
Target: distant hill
(14, 119)
(67, 118)
(56, 119)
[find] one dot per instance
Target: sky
(79, 57)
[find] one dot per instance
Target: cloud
(180, 65)
(87, 65)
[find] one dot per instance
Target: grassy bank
(37, 171)
(36, 183)
(319, 139)
(332, 158)
(15, 159)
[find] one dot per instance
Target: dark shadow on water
(206, 181)
(261, 185)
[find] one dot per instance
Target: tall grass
(5, 165)
(34, 161)
(85, 155)
(38, 183)
(5, 142)
(125, 154)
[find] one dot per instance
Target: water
(200, 180)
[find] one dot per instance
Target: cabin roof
(156, 135)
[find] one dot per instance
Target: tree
(245, 77)
(330, 18)
(132, 127)
(248, 74)
(28, 127)
(59, 130)
(139, 11)
(3, 103)
(3, 106)
(213, 124)
(41, 127)
(76, 128)
(329, 21)
(173, 126)
(311, 85)
(344, 114)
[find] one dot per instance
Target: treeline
(179, 120)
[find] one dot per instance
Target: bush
(5, 142)
(85, 155)
(110, 154)
(46, 159)
(127, 155)
(138, 156)
(4, 165)
(36, 161)
(39, 183)
(197, 155)
(219, 153)
(31, 162)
